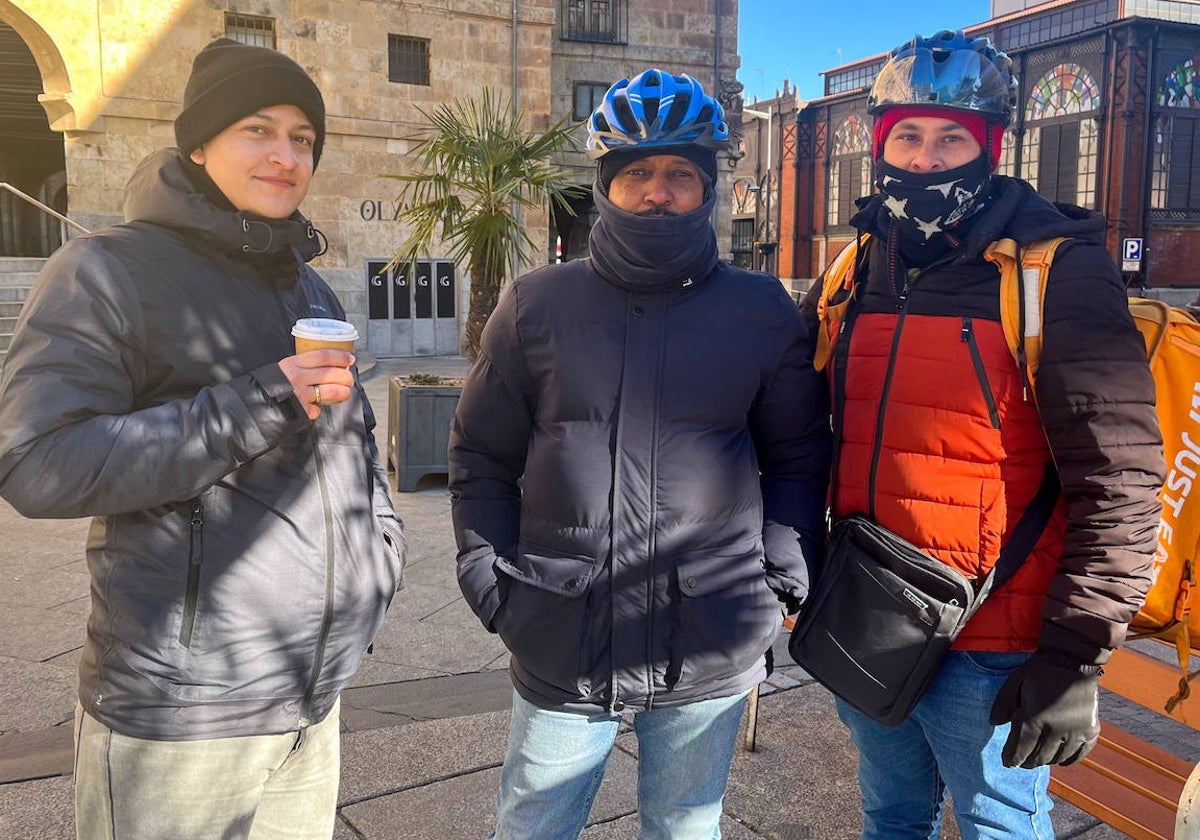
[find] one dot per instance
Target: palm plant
(478, 167)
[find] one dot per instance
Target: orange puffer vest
(936, 427)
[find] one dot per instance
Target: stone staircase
(16, 279)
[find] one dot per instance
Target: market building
(1108, 118)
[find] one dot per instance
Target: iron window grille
(408, 60)
(601, 21)
(253, 30)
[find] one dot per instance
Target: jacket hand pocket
(727, 616)
(543, 615)
(397, 546)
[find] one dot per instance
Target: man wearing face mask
(638, 470)
(942, 442)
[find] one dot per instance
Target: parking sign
(1131, 254)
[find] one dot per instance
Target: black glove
(1052, 704)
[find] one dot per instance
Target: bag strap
(1024, 537)
(1024, 271)
(839, 277)
(848, 312)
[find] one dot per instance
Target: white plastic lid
(324, 329)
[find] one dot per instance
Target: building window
(1008, 155)
(602, 21)
(1174, 159)
(588, 95)
(408, 60)
(1184, 11)
(1069, 20)
(745, 197)
(1160, 162)
(1029, 155)
(855, 78)
(849, 169)
(1061, 138)
(743, 243)
(250, 29)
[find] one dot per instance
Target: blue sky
(797, 39)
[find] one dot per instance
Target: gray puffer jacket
(241, 555)
(638, 470)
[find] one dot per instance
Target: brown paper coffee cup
(323, 333)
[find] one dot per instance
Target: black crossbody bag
(882, 614)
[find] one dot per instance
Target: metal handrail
(7, 186)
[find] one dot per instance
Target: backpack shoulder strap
(1022, 295)
(838, 277)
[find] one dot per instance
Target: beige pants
(264, 787)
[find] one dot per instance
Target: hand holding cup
(319, 372)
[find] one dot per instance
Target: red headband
(972, 122)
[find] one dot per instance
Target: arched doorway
(31, 155)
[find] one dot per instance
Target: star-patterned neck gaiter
(925, 204)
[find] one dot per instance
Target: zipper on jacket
(327, 613)
(968, 336)
(877, 446)
(195, 559)
(652, 519)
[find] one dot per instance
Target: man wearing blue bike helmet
(638, 469)
(945, 442)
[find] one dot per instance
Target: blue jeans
(948, 743)
(556, 761)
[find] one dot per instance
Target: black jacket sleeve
(488, 441)
(790, 427)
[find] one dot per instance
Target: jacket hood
(652, 253)
(160, 192)
(1018, 212)
(1014, 210)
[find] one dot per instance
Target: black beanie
(231, 80)
(612, 162)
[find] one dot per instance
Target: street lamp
(766, 247)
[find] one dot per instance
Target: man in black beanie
(244, 546)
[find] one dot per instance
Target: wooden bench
(1130, 784)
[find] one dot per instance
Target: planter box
(418, 429)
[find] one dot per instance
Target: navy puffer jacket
(638, 470)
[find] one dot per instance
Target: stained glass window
(851, 137)
(1067, 89)
(1060, 152)
(1008, 159)
(1181, 87)
(849, 168)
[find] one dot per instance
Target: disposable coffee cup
(324, 334)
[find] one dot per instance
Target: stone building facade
(98, 87)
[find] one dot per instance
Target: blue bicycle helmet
(654, 109)
(948, 70)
